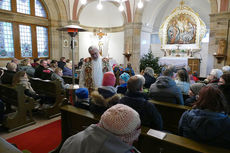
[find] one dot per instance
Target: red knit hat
(109, 79)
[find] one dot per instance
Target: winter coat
(61, 64)
(189, 101)
(206, 126)
(226, 91)
(149, 115)
(7, 77)
(184, 86)
(165, 90)
(103, 98)
(82, 103)
(55, 76)
(28, 69)
(122, 88)
(95, 139)
(42, 73)
(148, 80)
(67, 71)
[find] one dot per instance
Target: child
(123, 79)
(82, 98)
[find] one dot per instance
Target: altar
(180, 62)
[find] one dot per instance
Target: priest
(93, 69)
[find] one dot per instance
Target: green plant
(148, 60)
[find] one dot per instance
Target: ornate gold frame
(200, 30)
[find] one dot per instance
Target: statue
(221, 47)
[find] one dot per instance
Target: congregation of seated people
(123, 91)
(208, 99)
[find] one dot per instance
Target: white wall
(115, 45)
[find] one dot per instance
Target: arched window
(24, 31)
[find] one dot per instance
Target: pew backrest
(77, 119)
(171, 114)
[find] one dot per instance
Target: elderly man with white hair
(214, 76)
(93, 69)
(226, 69)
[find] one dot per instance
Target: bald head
(94, 52)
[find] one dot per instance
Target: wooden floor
(40, 121)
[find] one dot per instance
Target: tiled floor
(39, 122)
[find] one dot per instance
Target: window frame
(41, 21)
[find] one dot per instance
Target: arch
(74, 14)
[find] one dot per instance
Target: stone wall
(218, 31)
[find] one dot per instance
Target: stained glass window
(25, 41)
(5, 5)
(42, 41)
(6, 40)
(39, 9)
(23, 6)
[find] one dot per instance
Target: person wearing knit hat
(193, 93)
(123, 79)
(116, 131)
(82, 98)
(105, 96)
(109, 79)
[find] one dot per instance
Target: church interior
(166, 35)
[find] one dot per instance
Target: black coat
(149, 115)
(42, 73)
(148, 80)
(7, 77)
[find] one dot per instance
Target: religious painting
(181, 30)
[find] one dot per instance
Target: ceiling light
(99, 6)
(121, 7)
(83, 2)
(140, 4)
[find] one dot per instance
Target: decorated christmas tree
(148, 60)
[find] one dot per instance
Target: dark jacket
(165, 90)
(189, 101)
(42, 73)
(82, 103)
(28, 69)
(148, 80)
(226, 91)
(103, 98)
(61, 64)
(67, 71)
(7, 77)
(206, 126)
(122, 88)
(149, 115)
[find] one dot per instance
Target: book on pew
(157, 134)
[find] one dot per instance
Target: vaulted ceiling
(154, 12)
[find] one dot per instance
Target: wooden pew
(68, 79)
(76, 119)
(14, 96)
(171, 114)
(50, 89)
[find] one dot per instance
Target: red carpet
(39, 140)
